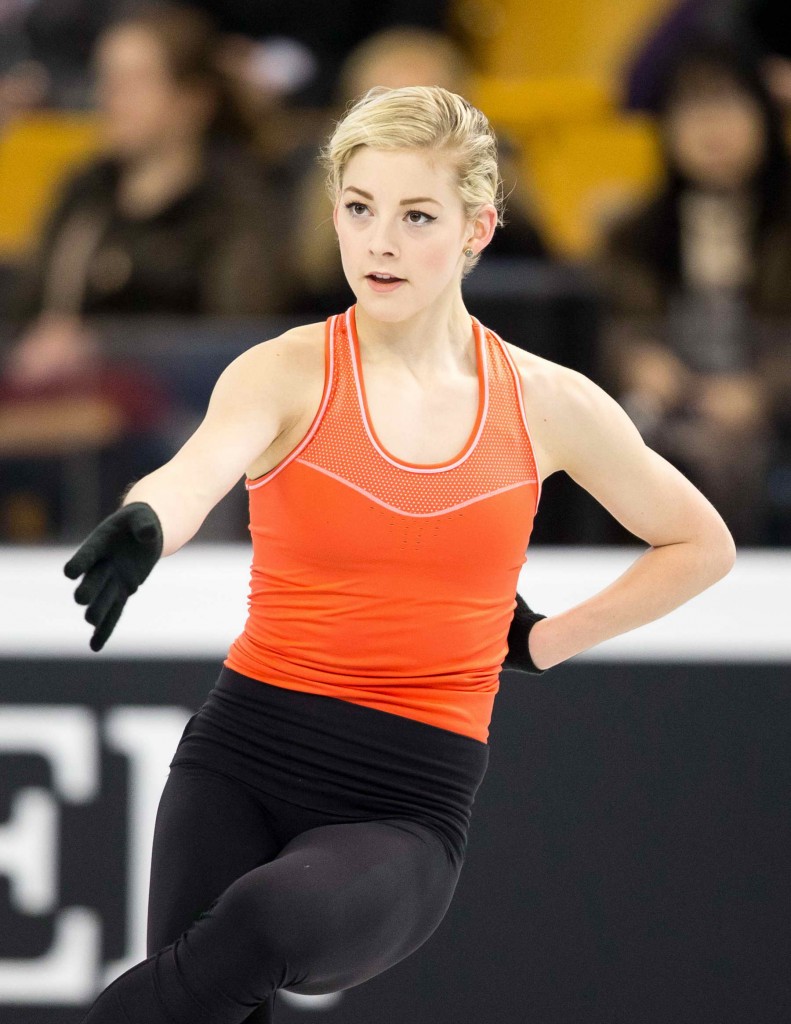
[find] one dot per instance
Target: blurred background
(161, 210)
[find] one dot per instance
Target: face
(717, 138)
(402, 230)
(143, 107)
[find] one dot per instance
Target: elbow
(720, 551)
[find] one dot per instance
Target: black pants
(301, 842)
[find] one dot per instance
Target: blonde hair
(422, 117)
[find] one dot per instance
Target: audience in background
(396, 57)
(208, 199)
(698, 285)
(45, 51)
(173, 218)
(301, 46)
(763, 25)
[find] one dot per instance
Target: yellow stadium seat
(523, 105)
(585, 173)
(36, 151)
(582, 160)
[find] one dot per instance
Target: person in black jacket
(697, 284)
(173, 217)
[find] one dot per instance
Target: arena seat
(585, 173)
(35, 152)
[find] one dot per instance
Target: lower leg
(210, 830)
(156, 992)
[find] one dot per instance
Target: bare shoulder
(297, 352)
(577, 427)
(276, 388)
(536, 373)
(276, 378)
(560, 405)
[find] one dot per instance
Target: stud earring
(468, 253)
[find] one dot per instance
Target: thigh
(337, 906)
(209, 831)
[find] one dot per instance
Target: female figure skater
(313, 826)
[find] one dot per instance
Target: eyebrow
(404, 202)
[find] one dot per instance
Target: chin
(386, 310)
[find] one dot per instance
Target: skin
(418, 360)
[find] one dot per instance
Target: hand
(55, 348)
(519, 658)
(115, 559)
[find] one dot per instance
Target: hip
(335, 756)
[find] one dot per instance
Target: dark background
(628, 857)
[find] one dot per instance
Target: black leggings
(345, 867)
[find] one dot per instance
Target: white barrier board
(195, 603)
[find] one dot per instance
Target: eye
(413, 217)
(356, 209)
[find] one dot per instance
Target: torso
(413, 543)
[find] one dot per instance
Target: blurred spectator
(394, 58)
(45, 49)
(71, 440)
(300, 47)
(698, 282)
(172, 219)
(763, 25)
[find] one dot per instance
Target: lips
(382, 283)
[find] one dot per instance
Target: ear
(482, 227)
(336, 213)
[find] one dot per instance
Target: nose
(381, 241)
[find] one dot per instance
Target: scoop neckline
(483, 398)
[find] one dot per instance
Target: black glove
(116, 557)
(518, 658)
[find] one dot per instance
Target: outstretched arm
(243, 418)
(256, 399)
(587, 434)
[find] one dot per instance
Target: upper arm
(590, 437)
(255, 398)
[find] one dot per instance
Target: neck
(429, 341)
(149, 182)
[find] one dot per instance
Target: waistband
(336, 756)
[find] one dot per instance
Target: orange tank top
(386, 583)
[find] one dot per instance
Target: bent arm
(593, 440)
(246, 412)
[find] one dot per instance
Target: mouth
(384, 282)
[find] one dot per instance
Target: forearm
(657, 582)
(179, 504)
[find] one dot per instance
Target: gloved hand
(518, 658)
(115, 558)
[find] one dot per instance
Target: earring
(468, 253)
